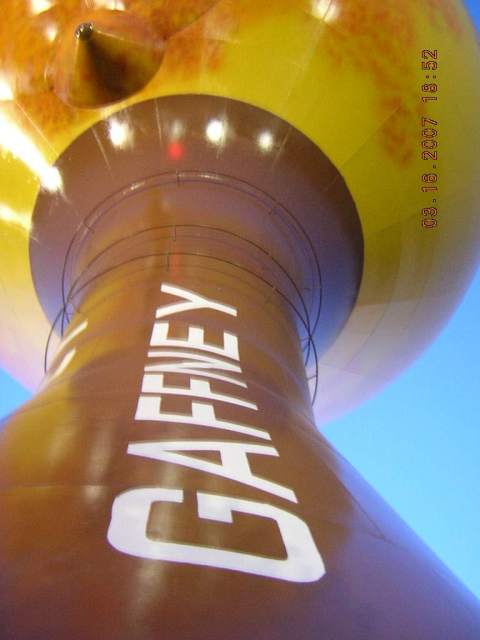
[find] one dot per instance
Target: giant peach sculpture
(223, 223)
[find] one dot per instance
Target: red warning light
(176, 150)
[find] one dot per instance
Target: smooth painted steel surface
(108, 57)
(211, 212)
(348, 74)
(293, 223)
(169, 482)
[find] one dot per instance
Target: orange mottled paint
(29, 42)
(368, 35)
(374, 37)
(168, 17)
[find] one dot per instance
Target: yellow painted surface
(345, 72)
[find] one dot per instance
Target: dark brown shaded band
(219, 164)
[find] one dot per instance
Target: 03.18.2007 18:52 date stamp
(429, 139)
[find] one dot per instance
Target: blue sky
(418, 442)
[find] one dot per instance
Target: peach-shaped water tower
(222, 224)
